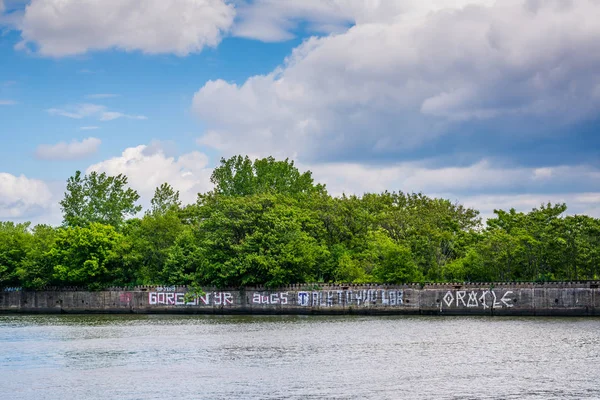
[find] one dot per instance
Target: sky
(492, 104)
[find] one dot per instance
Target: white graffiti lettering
(348, 298)
(272, 298)
(505, 300)
(476, 298)
(179, 299)
(165, 288)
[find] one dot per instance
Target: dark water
(196, 357)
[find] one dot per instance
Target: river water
(298, 357)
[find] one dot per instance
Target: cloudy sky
(494, 104)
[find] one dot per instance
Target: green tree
(98, 198)
(151, 240)
(391, 262)
(239, 176)
(15, 240)
(165, 199)
(185, 262)
(87, 256)
(267, 223)
(575, 248)
(470, 268)
(436, 231)
(36, 268)
(261, 239)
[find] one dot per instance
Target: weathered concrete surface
(560, 299)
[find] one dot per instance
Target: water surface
(298, 357)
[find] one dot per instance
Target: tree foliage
(239, 176)
(266, 223)
(98, 198)
(165, 199)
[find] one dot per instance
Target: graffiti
(272, 298)
(165, 288)
(470, 299)
(350, 298)
(12, 289)
(125, 297)
(179, 299)
(345, 298)
(482, 299)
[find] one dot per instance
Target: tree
(185, 262)
(87, 256)
(436, 231)
(165, 199)
(36, 268)
(260, 239)
(392, 263)
(267, 223)
(151, 240)
(15, 240)
(239, 176)
(98, 198)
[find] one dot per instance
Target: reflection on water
(299, 357)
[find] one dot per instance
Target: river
(298, 357)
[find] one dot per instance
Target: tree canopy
(98, 198)
(240, 176)
(267, 223)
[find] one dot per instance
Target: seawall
(547, 299)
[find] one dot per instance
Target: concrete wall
(568, 299)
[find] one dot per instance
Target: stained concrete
(548, 299)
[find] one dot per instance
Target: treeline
(267, 223)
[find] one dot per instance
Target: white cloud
(87, 110)
(110, 115)
(587, 203)
(70, 27)
(482, 186)
(479, 178)
(79, 111)
(7, 102)
(147, 167)
(397, 81)
(275, 20)
(101, 96)
(89, 128)
(68, 151)
(22, 197)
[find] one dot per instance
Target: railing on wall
(327, 286)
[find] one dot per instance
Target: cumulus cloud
(88, 110)
(70, 27)
(483, 177)
(68, 151)
(396, 82)
(147, 167)
(22, 197)
(483, 185)
(275, 20)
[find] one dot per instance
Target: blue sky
(492, 104)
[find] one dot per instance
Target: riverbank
(546, 299)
